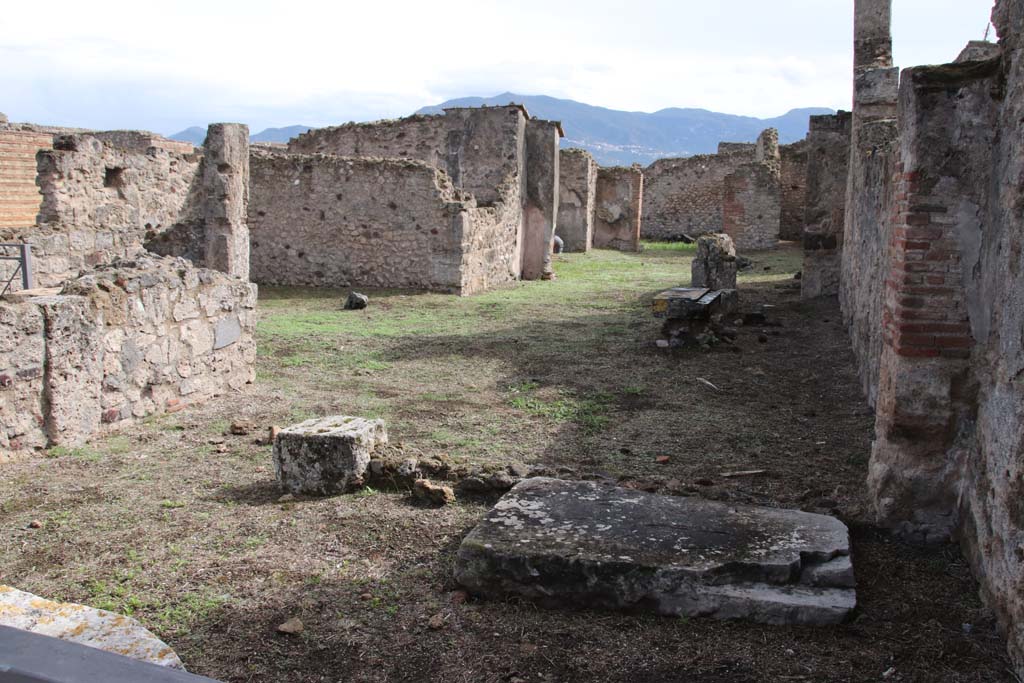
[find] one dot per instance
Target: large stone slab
(326, 455)
(582, 544)
(84, 625)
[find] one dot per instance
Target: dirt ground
(178, 523)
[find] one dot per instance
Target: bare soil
(177, 522)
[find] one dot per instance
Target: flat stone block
(581, 544)
(327, 455)
(85, 626)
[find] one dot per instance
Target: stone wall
(577, 194)
(828, 161)
(102, 201)
(126, 340)
(329, 221)
(542, 195)
(793, 177)
(865, 254)
(944, 186)
(618, 208)
(684, 196)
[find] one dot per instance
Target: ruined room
(468, 394)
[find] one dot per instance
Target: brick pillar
(226, 184)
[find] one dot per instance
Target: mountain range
(614, 137)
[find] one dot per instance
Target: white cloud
(168, 65)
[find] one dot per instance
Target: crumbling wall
(992, 493)
(793, 178)
(328, 221)
(685, 196)
(577, 194)
(102, 201)
(948, 458)
(479, 148)
(126, 340)
(828, 161)
(618, 208)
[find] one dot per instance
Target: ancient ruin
(801, 452)
(460, 202)
(121, 333)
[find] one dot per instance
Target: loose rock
(356, 301)
(292, 626)
(424, 489)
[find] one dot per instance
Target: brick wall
(752, 205)
(19, 197)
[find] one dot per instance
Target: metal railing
(21, 255)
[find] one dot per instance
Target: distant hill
(278, 134)
(197, 134)
(623, 137)
(614, 137)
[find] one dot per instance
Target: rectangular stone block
(581, 544)
(328, 455)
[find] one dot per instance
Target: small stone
(663, 459)
(662, 343)
(461, 597)
(286, 498)
(35, 524)
(501, 481)
(241, 427)
(356, 301)
(424, 489)
(473, 485)
(436, 622)
(292, 626)
(366, 597)
(518, 469)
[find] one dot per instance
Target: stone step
(581, 544)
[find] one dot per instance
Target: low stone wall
(828, 161)
(328, 221)
(577, 195)
(618, 208)
(126, 340)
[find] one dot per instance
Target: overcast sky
(166, 66)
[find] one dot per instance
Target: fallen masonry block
(84, 625)
(693, 314)
(581, 544)
(326, 455)
(714, 266)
